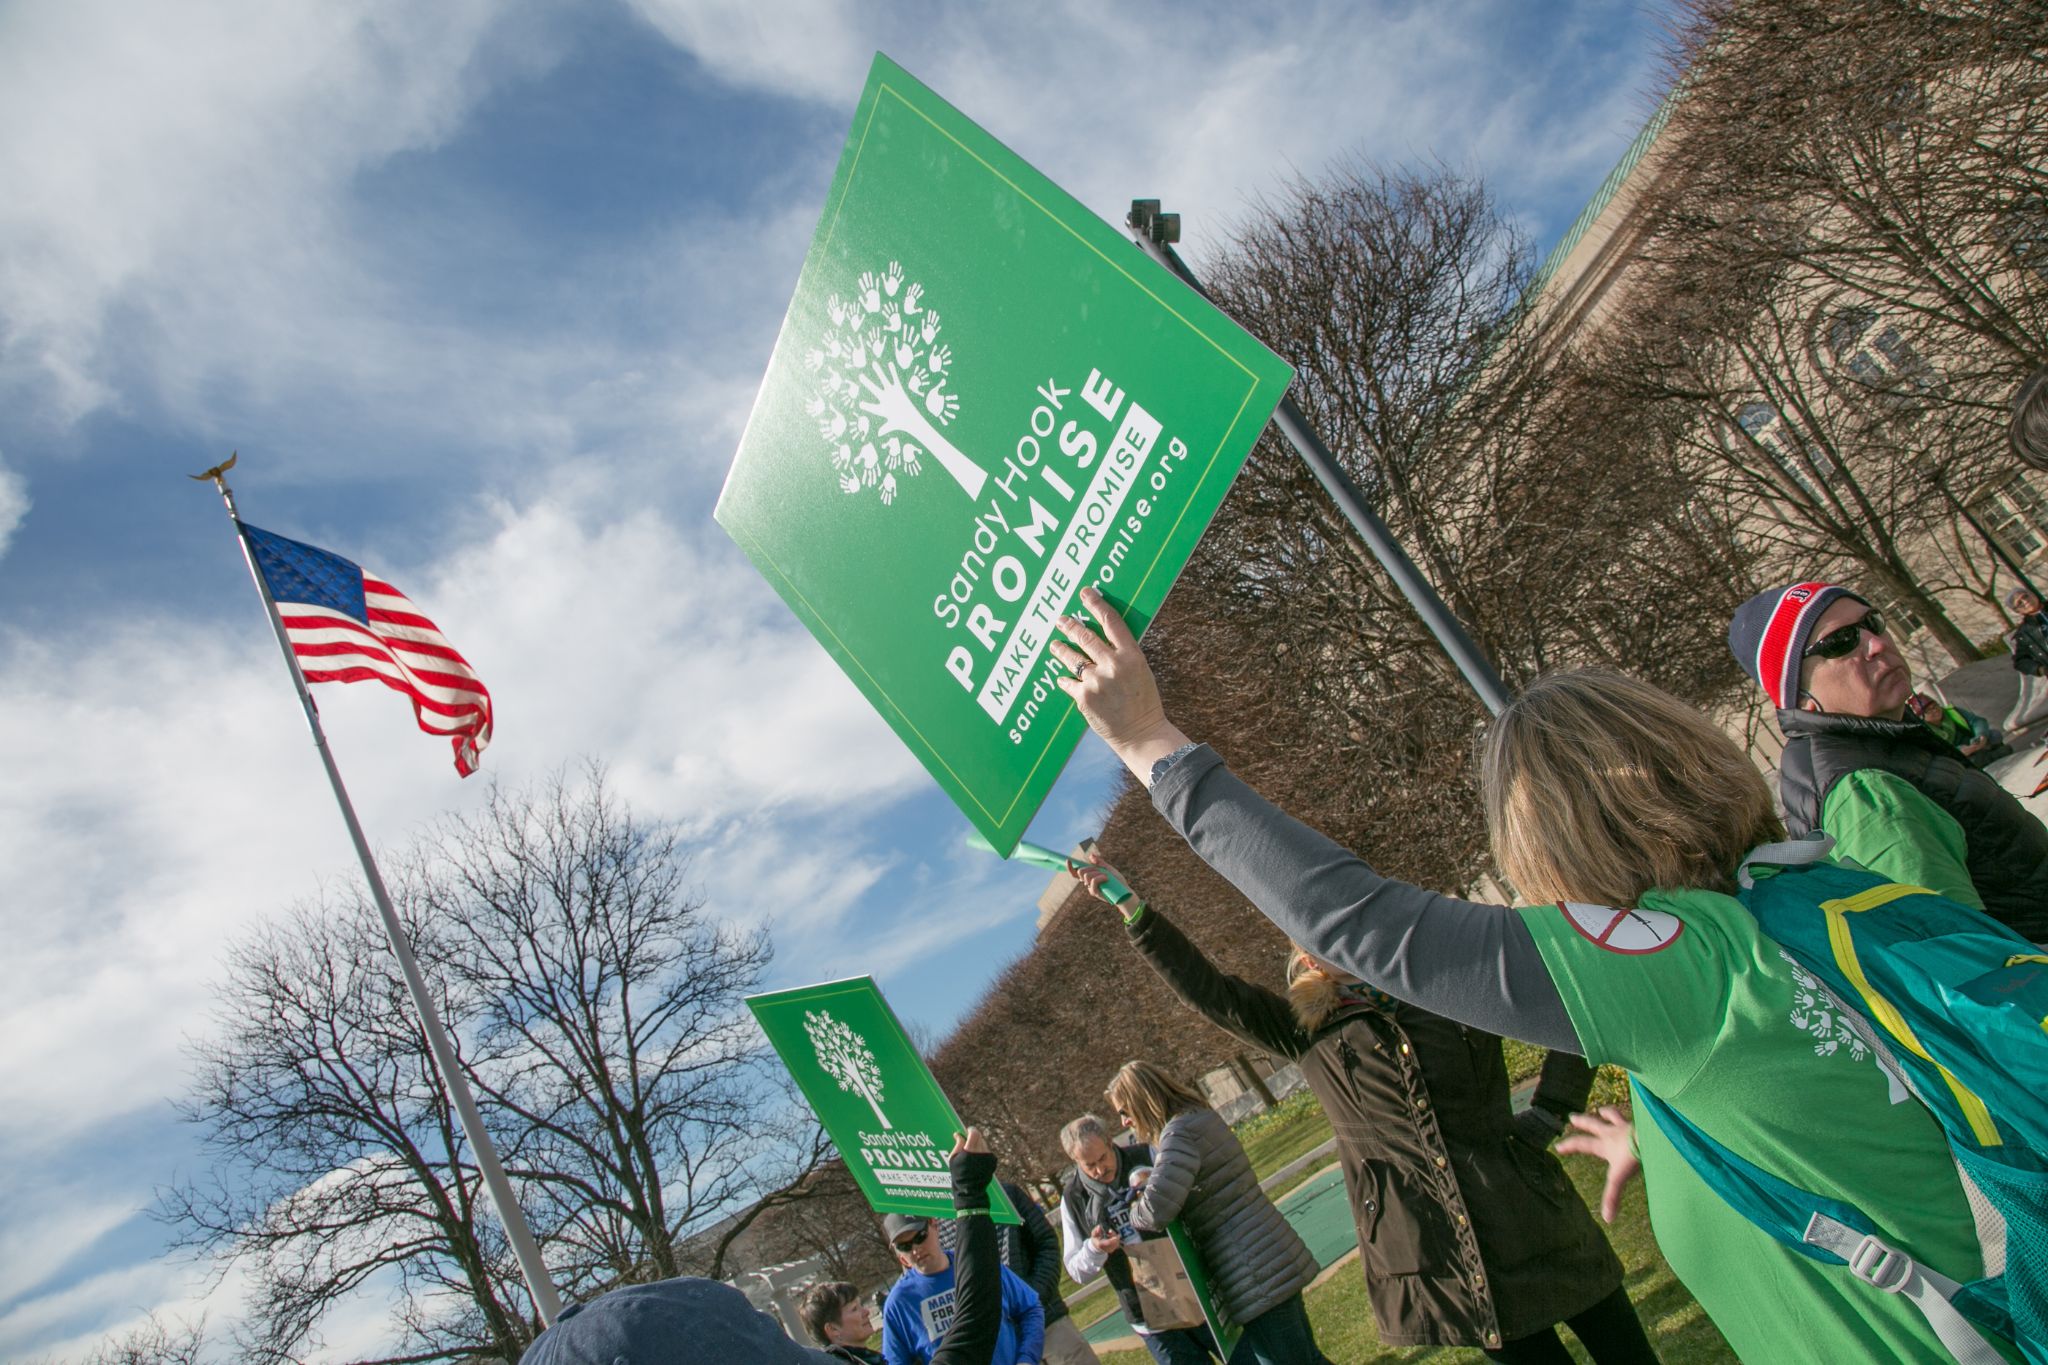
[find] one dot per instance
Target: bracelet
(1131, 915)
(1159, 769)
(972, 1213)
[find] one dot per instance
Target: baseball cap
(897, 1224)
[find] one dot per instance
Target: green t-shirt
(1885, 824)
(1689, 996)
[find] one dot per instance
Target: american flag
(346, 625)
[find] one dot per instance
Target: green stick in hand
(1113, 891)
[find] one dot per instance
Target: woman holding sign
(1637, 820)
(1257, 1265)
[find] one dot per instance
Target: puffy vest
(2006, 846)
(1087, 1208)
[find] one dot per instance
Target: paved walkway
(1318, 1211)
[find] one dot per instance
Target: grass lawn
(1682, 1333)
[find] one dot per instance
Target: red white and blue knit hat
(1769, 633)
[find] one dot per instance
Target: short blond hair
(1148, 1097)
(1599, 787)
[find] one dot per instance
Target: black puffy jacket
(2005, 845)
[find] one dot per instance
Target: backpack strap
(1824, 1229)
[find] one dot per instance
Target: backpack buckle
(1877, 1264)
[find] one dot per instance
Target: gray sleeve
(1476, 964)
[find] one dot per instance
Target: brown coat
(1468, 1234)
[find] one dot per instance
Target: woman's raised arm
(1474, 963)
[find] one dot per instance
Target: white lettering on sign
(1072, 558)
(914, 1180)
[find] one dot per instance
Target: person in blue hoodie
(920, 1307)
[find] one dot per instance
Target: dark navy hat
(1769, 633)
(684, 1321)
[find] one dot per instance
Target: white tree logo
(882, 399)
(847, 1059)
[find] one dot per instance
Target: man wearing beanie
(1896, 797)
(693, 1321)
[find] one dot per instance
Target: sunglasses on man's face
(1841, 642)
(905, 1243)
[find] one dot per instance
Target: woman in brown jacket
(1469, 1231)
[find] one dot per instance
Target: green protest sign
(1225, 1328)
(885, 1113)
(982, 399)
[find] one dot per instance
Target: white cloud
(808, 49)
(14, 504)
(161, 151)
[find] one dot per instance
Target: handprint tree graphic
(882, 400)
(847, 1059)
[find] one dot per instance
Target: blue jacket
(918, 1309)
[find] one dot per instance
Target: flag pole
(546, 1301)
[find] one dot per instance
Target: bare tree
(1402, 299)
(336, 1156)
(1896, 150)
(609, 1039)
(596, 1006)
(154, 1342)
(1840, 279)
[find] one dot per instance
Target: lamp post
(1156, 232)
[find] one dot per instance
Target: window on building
(1802, 459)
(2015, 511)
(2023, 231)
(1900, 622)
(1872, 352)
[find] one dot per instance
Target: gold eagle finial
(214, 474)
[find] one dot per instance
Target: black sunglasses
(906, 1243)
(1841, 643)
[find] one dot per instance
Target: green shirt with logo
(1687, 995)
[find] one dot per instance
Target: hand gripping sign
(879, 1103)
(983, 398)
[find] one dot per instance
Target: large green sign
(983, 398)
(885, 1113)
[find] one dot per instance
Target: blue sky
(482, 292)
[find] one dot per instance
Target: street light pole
(1156, 232)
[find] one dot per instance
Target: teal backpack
(1955, 1006)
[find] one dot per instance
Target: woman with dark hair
(1258, 1266)
(1632, 821)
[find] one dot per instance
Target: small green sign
(983, 398)
(1225, 1328)
(885, 1113)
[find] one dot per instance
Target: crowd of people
(1674, 926)
(1831, 1016)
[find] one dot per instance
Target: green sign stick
(982, 399)
(1038, 855)
(885, 1113)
